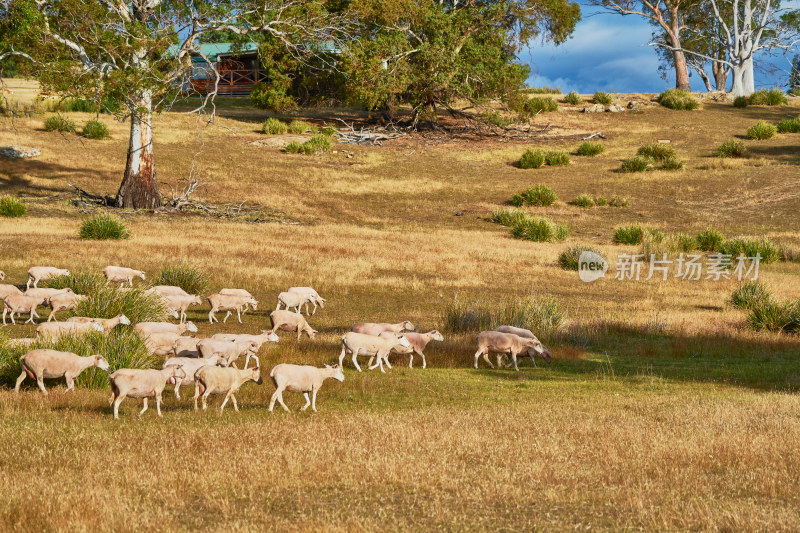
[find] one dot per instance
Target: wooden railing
(230, 82)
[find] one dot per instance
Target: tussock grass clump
(327, 129)
(557, 158)
(731, 148)
(672, 163)
(106, 301)
(590, 148)
(12, 207)
(542, 90)
(773, 96)
(539, 104)
(94, 129)
(709, 240)
(572, 98)
(789, 125)
(678, 99)
(749, 295)
(541, 315)
(83, 282)
(539, 229)
(768, 250)
(637, 164)
(600, 201)
(317, 144)
(779, 317)
(301, 126)
(508, 217)
(618, 201)
(540, 195)
(532, 159)
(59, 123)
(294, 147)
(603, 98)
(496, 119)
(635, 234)
(273, 126)
(188, 278)
(583, 200)
(657, 152)
(741, 101)
(104, 226)
(568, 259)
(761, 130)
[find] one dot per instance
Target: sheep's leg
(196, 393)
(70, 382)
(144, 406)
(299, 333)
(500, 361)
(277, 307)
(386, 360)
(226, 317)
(117, 401)
(424, 363)
(355, 361)
(211, 316)
(205, 399)
(308, 402)
(235, 405)
(280, 401)
(314, 400)
(273, 399)
(369, 363)
(33, 314)
(477, 356)
(514, 358)
(20, 379)
(158, 403)
(341, 355)
(239, 314)
(411, 360)
(486, 358)
(40, 382)
(52, 315)
(533, 360)
(4, 315)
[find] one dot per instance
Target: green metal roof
(213, 50)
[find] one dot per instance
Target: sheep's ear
(327, 366)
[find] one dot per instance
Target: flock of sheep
(210, 364)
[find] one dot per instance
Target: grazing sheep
(19, 303)
(142, 383)
(41, 364)
(23, 341)
(238, 292)
(121, 275)
(146, 328)
(44, 295)
(291, 321)
(181, 304)
(312, 297)
(228, 351)
(539, 349)
(376, 328)
(56, 330)
(371, 345)
(502, 343)
(265, 336)
(42, 273)
(218, 380)
(167, 290)
(106, 323)
(223, 302)
(63, 302)
(305, 379)
(7, 289)
(161, 344)
(418, 342)
(190, 366)
(292, 300)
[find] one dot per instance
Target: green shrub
(789, 125)
(601, 201)
(672, 163)
(572, 98)
(731, 149)
(517, 200)
(540, 104)
(590, 148)
(83, 282)
(741, 101)
(750, 294)
(637, 164)
(542, 90)
(94, 129)
(569, 258)
(657, 151)
(557, 158)
(59, 123)
(79, 105)
(319, 143)
(540, 195)
(327, 129)
(541, 315)
(104, 226)
(682, 242)
(635, 234)
(532, 159)
(773, 96)
(761, 130)
(618, 201)
(293, 147)
(508, 217)
(603, 98)
(583, 200)
(273, 126)
(709, 240)
(496, 119)
(188, 278)
(301, 126)
(768, 250)
(539, 229)
(678, 99)
(12, 207)
(106, 301)
(775, 316)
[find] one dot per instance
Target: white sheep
(49, 364)
(376, 328)
(42, 273)
(265, 336)
(238, 292)
(291, 321)
(502, 343)
(167, 290)
(142, 383)
(228, 351)
(44, 295)
(186, 347)
(218, 380)
(18, 304)
(190, 366)
(146, 328)
(6, 289)
(180, 303)
(106, 323)
(539, 349)
(22, 341)
(161, 344)
(312, 297)
(292, 301)
(56, 330)
(305, 379)
(63, 302)
(371, 345)
(418, 342)
(122, 275)
(223, 302)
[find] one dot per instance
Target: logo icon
(591, 266)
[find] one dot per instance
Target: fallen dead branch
(599, 135)
(374, 136)
(97, 199)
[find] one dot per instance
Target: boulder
(596, 108)
(616, 108)
(19, 152)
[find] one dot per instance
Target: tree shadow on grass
(13, 181)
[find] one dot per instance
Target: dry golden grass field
(661, 410)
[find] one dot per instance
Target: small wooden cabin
(239, 71)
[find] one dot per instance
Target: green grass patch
(539, 104)
(732, 148)
(298, 127)
(12, 207)
(770, 97)
(274, 126)
(82, 282)
(637, 164)
(672, 163)
(569, 258)
(749, 295)
(618, 201)
(741, 102)
(557, 158)
(749, 247)
(539, 195)
(572, 98)
(541, 315)
(532, 159)
(104, 226)
(191, 279)
(761, 130)
(539, 229)
(779, 317)
(678, 99)
(583, 200)
(603, 98)
(590, 148)
(94, 129)
(59, 123)
(508, 217)
(789, 125)
(657, 152)
(496, 119)
(709, 240)
(635, 234)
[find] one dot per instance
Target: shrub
(12, 207)
(104, 226)
(601, 201)
(731, 149)
(538, 229)
(775, 316)
(508, 217)
(568, 260)
(789, 125)
(273, 126)
(636, 164)
(635, 234)
(583, 200)
(541, 104)
(672, 163)
(188, 278)
(496, 119)
(590, 148)
(761, 130)
(741, 101)
(327, 129)
(678, 100)
(541, 315)
(517, 200)
(601, 97)
(709, 240)
(682, 242)
(768, 250)
(542, 90)
(94, 129)
(750, 294)
(572, 98)
(557, 158)
(773, 96)
(657, 151)
(301, 126)
(106, 301)
(80, 282)
(59, 123)
(532, 159)
(540, 195)
(618, 201)
(318, 143)
(293, 147)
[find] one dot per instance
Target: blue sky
(609, 52)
